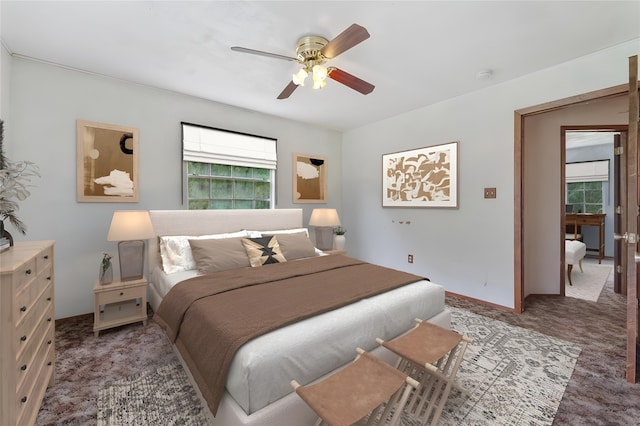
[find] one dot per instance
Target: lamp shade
(324, 217)
(129, 225)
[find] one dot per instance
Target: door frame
(519, 117)
(619, 128)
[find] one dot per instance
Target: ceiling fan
(312, 52)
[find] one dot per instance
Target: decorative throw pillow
(295, 245)
(263, 251)
(215, 255)
(175, 250)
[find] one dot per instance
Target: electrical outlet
(410, 258)
(489, 193)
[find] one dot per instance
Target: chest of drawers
(27, 331)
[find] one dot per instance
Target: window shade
(208, 145)
(588, 171)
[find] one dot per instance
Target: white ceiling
(419, 53)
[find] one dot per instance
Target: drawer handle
(48, 342)
(121, 293)
(48, 319)
(48, 278)
(48, 299)
(23, 338)
(28, 272)
(23, 309)
(24, 367)
(23, 399)
(49, 363)
(46, 256)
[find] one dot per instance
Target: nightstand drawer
(119, 295)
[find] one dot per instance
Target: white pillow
(284, 231)
(175, 250)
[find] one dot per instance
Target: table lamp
(324, 220)
(130, 228)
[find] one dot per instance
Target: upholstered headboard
(204, 222)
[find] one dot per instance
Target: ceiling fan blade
(351, 81)
(288, 90)
(350, 37)
(261, 53)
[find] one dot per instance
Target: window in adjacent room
(586, 185)
(228, 170)
(585, 197)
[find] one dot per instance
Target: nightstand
(119, 303)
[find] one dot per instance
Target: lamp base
(324, 237)
(131, 258)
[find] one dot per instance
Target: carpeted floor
(512, 376)
(597, 393)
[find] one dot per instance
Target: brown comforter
(210, 316)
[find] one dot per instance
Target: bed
(256, 385)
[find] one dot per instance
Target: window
(585, 197)
(227, 170)
(221, 186)
(586, 183)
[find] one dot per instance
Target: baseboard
(479, 302)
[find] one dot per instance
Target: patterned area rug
(587, 285)
(163, 396)
(514, 376)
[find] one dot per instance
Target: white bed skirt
(290, 409)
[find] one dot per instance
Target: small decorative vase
(106, 274)
(339, 242)
(4, 233)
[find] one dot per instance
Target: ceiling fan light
(319, 84)
(299, 77)
(319, 72)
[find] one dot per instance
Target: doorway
(538, 187)
(536, 140)
(590, 192)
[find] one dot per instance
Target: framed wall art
(422, 177)
(107, 163)
(309, 178)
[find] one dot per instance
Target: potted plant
(15, 178)
(339, 239)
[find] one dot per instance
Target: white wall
(46, 101)
(469, 250)
(5, 85)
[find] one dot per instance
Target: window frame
(214, 146)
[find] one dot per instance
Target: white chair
(574, 252)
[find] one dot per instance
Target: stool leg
(403, 401)
(449, 381)
(569, 268)
(580, 264)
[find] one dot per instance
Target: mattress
(262, 368)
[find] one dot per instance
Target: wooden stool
(429, 354)
(358, 390)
